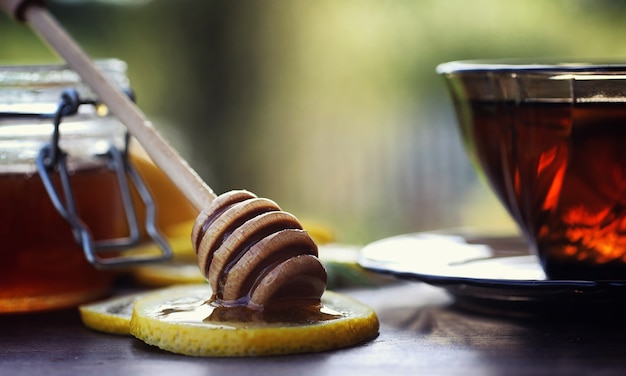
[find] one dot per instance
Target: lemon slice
(320, 232)
(109, 316)
(167, 274)
(181, 269)
(182, 322)
(113, 315)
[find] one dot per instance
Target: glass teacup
(550, 140)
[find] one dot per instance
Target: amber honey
(41, 265)
(560, 169)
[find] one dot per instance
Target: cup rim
(535, 65)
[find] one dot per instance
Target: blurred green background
(330, 107)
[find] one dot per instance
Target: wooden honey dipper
(252, 253)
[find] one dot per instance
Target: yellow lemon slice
(173, 208)
(181, 321)
(113, 315)
(110, 315)
(167, 274)
(181, 269)
(320, 232)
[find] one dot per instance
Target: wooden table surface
(422, 332)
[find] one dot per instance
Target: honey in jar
(42, 265)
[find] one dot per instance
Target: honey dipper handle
(162, 154)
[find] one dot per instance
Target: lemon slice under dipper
(180, 320)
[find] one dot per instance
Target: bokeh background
(330, 107)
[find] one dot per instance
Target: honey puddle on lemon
(180, 319)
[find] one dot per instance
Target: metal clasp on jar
(52, 158)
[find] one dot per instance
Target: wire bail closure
(52, 159)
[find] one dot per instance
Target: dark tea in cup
(550, 139)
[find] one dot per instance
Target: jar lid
(30, 95)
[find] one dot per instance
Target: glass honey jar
(66, 190)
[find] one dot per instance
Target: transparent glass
(550, 139)
(41, 265)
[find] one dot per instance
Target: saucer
(493, 274)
